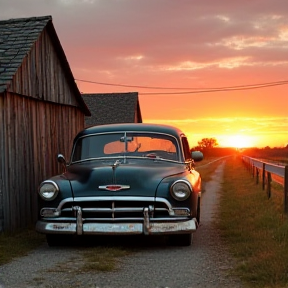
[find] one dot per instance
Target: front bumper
(147, 226)
(188, 226)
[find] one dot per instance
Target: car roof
(139, 127)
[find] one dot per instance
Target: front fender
(194, 178)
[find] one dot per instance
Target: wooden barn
(41, 110)
(110, 108)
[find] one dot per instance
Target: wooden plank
(5, 179)
(2, 162)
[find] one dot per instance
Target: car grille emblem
(114, 187)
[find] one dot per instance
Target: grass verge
(13, 245)
(254, 227)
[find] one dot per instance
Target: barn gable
(30, 52)
(110, 108)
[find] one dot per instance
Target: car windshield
(148, 145)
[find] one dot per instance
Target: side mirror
(62, 161)
(197, 156)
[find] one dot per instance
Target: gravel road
(157, 265)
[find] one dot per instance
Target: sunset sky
(195, 45)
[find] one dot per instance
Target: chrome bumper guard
(148, 227)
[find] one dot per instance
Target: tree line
(209, 148)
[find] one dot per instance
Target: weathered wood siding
(32, 133)
(2, 164)
(41, 75)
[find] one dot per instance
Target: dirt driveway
(154, 264)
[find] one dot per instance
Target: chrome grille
(131, 208)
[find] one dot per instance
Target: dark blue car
(124, 179)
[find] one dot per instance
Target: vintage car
(124, 179)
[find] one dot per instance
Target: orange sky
(181, 44)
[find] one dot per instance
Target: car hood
(136, 178)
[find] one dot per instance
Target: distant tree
(207, 143)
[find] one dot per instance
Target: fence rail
(269, 172)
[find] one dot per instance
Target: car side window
(186, 149)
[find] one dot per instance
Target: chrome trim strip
(63, 202)
(70, 219)
(110, 210)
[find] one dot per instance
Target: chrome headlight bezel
(48, 190)
(181, 190)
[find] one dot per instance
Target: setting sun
(238, 141)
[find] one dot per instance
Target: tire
(181, 239)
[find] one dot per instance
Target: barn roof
(17, 37)
(110, 108)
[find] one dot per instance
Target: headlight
(48, 190)
(180, 190)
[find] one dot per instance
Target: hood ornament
(117, 163)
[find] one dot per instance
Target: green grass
(254, 227)
(13, 245)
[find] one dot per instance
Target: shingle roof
(17, 37)
(111, 108)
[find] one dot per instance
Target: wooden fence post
(268, 189)
(286, 190)
(257, 175)
(263, 176)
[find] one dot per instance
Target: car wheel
(181, 239)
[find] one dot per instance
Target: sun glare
(238, 141)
